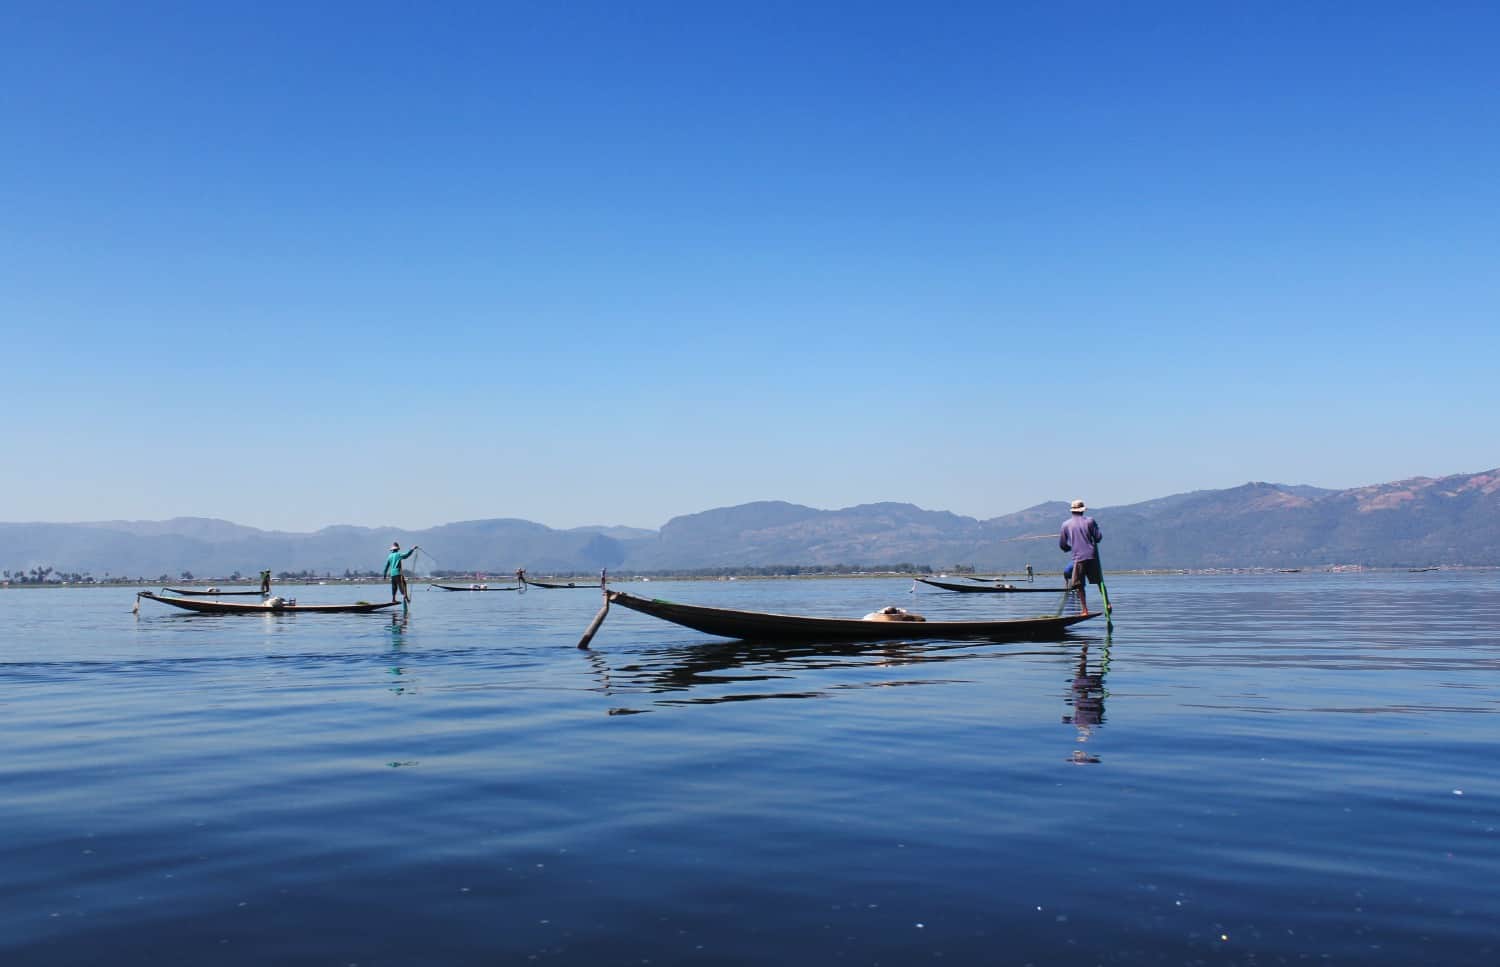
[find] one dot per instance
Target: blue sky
(403, 264)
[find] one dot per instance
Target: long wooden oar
(1104, 592)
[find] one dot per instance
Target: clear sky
(401, 264)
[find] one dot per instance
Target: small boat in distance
(272, 605)
(989, 588)
(552, 585)
(209, 593)
(764, 626)
(527, 582)
(471, 587)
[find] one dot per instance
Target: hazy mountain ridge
(1416, 522)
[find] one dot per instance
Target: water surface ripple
(1250, 769)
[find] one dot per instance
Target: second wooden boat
(272, 606)
(765, 626)
(471, 587)
(990, 588)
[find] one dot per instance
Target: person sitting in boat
(393, 571)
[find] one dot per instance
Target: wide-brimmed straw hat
(1078, 507)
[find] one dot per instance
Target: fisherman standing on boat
(265, 583)
(1081, 535)
(393, 571)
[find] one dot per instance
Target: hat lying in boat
(1078, 507)
(893, 614)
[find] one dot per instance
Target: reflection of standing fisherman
(1087, 700)
(265, 582)
(1081, 535)
(1088, 694)
(393, 571)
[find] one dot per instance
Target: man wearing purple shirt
(1081, 535)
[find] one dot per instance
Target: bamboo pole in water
(593, 628)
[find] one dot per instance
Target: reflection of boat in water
(996, 588)
(764, 626)
(719, 672)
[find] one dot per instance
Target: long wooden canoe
(201, 593)
(555, 586)
(466, 587)
(762, 626)
(228, 607)
(990, 588)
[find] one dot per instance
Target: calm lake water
(1250, 770)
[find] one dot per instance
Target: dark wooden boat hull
(451, 587)
(989, 588)
(551, 586)
(763, 626)
(226, 607)
(212, 594)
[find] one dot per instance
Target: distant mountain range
(1419, 522)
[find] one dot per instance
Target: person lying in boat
(893, 614)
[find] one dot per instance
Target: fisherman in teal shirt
(393, 571)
